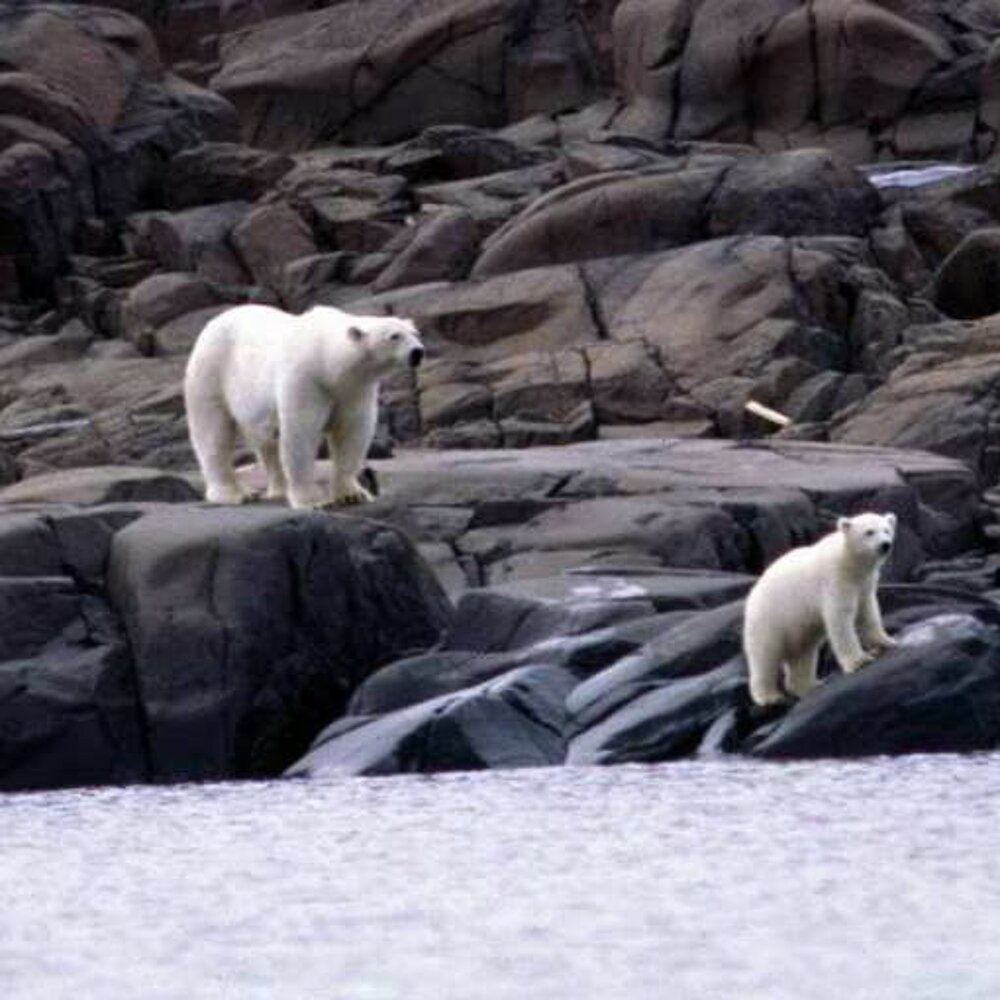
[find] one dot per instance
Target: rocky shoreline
(615, 222)
(159, 638)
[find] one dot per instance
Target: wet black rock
(151, 642)
(517, 720)
(938, 690)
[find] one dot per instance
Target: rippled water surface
(724, 881)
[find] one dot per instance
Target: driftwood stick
(766, 413)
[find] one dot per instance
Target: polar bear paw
(352, 493)
(308, 501)
(228, 495)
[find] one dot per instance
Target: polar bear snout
(416, 357)
(885, 547)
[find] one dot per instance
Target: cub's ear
(356, 334)
(843, 524)
(891, 518)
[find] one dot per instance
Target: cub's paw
(879, 645)
(858, 662)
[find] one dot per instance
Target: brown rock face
(86, 114)
(612, 213)
(872, 80)
(378, 70)
(609, 217)
(679, 339)
(943, 397)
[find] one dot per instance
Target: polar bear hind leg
(764, 661)
(213, 437)
(801, 672)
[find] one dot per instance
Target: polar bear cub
(285, 382)
(825, 590)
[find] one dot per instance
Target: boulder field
(547, 606)
(608, 218)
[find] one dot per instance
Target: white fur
(286, 381)
(825, 590)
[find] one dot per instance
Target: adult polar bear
(825, 589)
(284, 381)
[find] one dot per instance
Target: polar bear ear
(356, 334)
(891, 518)
(843, 524)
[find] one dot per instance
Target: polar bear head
(389, 341)
(869, 537)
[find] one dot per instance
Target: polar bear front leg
(302, 412)
(873, 634)
(349, 439)
(839, 622)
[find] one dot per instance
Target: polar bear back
(243, 355)
(236, 359)
(787, 601)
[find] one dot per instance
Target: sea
(720, 879)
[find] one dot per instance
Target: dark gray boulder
(967, 285)
(69, 714)
(939, 690)
(516, 720)
(250, 627)
(581, 639)
(144, 642)
(802, 192)
(666, 722)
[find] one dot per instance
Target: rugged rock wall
(609, 218)
(873, 80)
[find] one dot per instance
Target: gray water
(717, 880)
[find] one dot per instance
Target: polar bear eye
(870, 533)
(395, 337)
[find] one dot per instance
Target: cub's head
(390, 342)
(869, 536)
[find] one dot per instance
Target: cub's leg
(764, 662)
(801, 672)
(839, 622)
(873, 634)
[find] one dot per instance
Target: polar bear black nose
(884, 548)
(416, 356)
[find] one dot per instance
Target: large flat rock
(638, 507)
